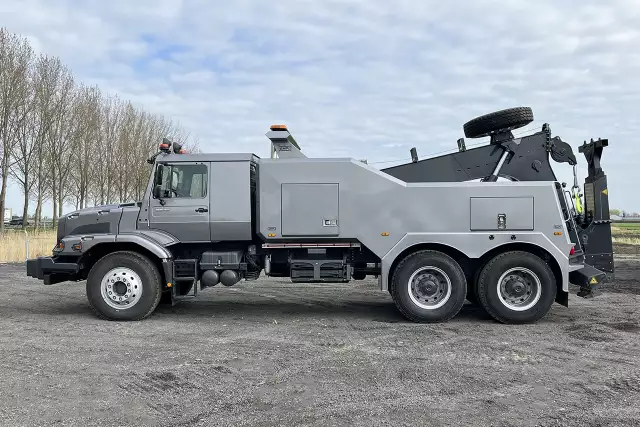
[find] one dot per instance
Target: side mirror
(157, 192)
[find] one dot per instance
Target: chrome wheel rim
(519, 289)
(429, 287)
(121, 288)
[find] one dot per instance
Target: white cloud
(367, 79)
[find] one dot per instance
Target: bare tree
(48, 78)
(111, 114)
(69, 143)
(15, 58)
(58, 146)
(25, 147)
(86, 142)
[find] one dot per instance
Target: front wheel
(428, 286)
(517, 287)
(124, 286)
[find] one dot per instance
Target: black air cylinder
(229, 277)
(209, 278)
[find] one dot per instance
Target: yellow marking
(593, 281)
(578, 203)
(605, 191)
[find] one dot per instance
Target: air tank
(209, 278)
(229, 277)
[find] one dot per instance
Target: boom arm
(527, 160)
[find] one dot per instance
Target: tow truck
(490, 224)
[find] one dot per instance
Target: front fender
(88, 242)
(146, 242)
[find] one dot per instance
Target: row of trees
(623, 213)
(68, 143)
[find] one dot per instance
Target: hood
(94, 220)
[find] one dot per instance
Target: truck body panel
(378, 210)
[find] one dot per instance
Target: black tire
(150, 282)
(402, 295)
(531, 309)
(497, 122)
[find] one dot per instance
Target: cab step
(588, 278)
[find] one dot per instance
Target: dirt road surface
(274, 353)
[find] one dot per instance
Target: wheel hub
(121, 288)
(519, 289)
(516, 287)
(429, 287)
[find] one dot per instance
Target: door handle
(202, 210)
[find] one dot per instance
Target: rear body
(388, 216)
(209, 219)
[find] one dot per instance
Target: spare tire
(498, 122)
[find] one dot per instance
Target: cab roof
(209, 157)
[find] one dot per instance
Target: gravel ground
(274, 353)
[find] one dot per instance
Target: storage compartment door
(501, 213)
(310, 210)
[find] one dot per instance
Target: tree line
(68, 143)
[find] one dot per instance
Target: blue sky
(359, 78)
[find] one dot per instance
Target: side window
(180, 181)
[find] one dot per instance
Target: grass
(13, 248)
(626, 240)
(628, 227)
(626, 233)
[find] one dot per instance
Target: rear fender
(473, 246)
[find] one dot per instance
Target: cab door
(179, 201)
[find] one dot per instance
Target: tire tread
(510, 118)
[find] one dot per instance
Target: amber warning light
(166, 146)
(278, 127)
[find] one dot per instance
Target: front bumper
(51, 271)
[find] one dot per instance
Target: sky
(367, 79)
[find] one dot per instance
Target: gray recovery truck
(434, 232)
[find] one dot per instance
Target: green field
(627, 233)
(634, 226)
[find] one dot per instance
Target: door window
(179, 181)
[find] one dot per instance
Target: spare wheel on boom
(498, 122)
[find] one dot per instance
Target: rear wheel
(428, 286)
(124, 286)
(516, 287)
